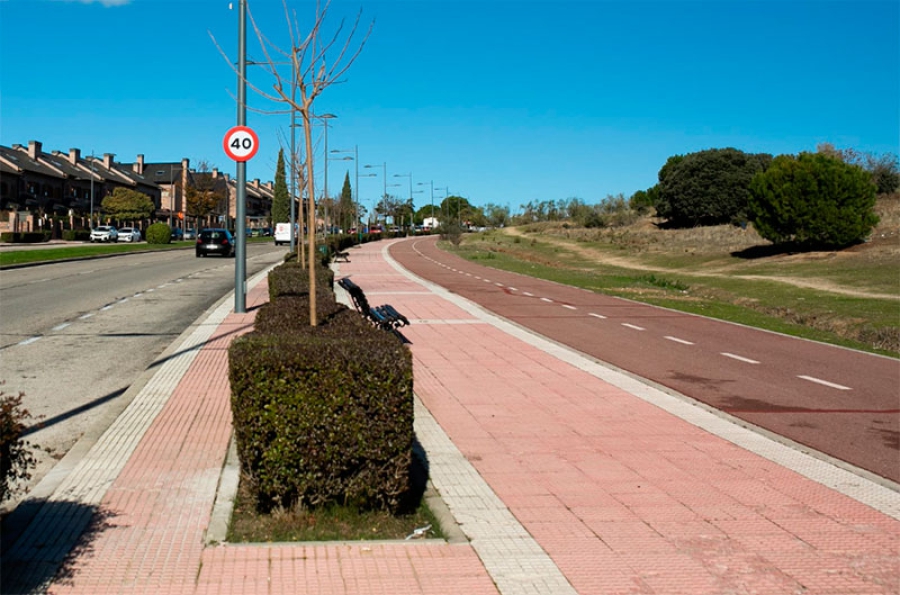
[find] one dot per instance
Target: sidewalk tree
(125, 204)
(317, 60)
(281, 201)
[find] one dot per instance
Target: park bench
(384, 316)
(341, 256)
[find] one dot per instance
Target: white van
(282, 233)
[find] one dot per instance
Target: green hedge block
(324, 416)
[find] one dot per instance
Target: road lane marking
(746, 360)
(633, 326)
(597, 315)
(105, 308)
(60, 327)
(85, 316)
(824, 382)
(512, 289)
(528, 294)
(28, 341)
(546, 300)
(677, 340)
(569, 307)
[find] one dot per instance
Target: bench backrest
(356, 294)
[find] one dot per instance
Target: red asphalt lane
(840, 402)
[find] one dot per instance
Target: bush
(159, 233)
(76, 235)
(291, 278)
(707, 188)
(16, 457)
(324, 416)
(26, 237)
(813, 200)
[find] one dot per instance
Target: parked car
(214, 241)
(190, 234)
(177, 234)
(104, 233)
(129, 234)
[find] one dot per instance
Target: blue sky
(501, 102)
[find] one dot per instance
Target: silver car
(129, 234)
(104, 233)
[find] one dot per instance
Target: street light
(325, 118)
(384, 177)
(431, 183)
(446, 190)
(409, 175)
(355, 159)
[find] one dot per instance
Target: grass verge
(846, 298)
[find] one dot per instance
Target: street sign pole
(240, 267)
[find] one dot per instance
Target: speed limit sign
(240, 143)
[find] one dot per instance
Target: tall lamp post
(409, 175)
(446, 191)
(325, 118)
(384, 178)
(431, 183)
(354, 192)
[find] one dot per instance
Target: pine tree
(346, 207)
(281, 205)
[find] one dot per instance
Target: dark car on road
(215, 241)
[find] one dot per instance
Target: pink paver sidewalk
(619, 495)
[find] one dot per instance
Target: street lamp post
(431, 183)
(354, 192)
(446, 191)
(384, 178)
(410, 176)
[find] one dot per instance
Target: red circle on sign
(240, 143)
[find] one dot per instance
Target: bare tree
(317, 61)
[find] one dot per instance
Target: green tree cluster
(708, 187)
(125, 204)
(813, 200)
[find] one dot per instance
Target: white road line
(105, 308)
(546, 300)
(513, 289)
(677, 340)
(528, 294)
(824, 382)
(634, 326)
(595, 315)
(28, 341)
(122, 301)
(60, 327)
(569, 307)
(85, 316)
(739, 358)
(499, 284)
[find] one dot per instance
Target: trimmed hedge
(324, 416)
(27, 237)
(291, 278)
(76, 235)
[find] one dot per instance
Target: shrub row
(26, 237)
(321, 414)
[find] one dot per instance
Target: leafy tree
(203, 195)
(127, 204)
(16, 454)
(813, 200)
(884, 169)
(281, 201)
(643, 200)
(496, 215)
(708, 187)
(454, 208)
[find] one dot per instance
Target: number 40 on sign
(240, 143)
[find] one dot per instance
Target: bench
(341, 256)
(385, 316)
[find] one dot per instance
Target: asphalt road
(74, 336)
(837, 401)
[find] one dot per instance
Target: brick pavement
(563, 481)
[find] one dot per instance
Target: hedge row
(26, 237)
(322, 414)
